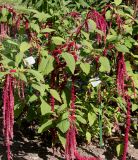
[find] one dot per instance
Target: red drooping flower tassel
(52, 99)
(128, 122)
(71, 152)
(122, 90)
(8, 113)
(121, 74)
(100, 23)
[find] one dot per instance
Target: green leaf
(35, 27)
(91, 118)
(111, 37)
(85, 67)
(24, 47)
(4, 12)
(33, 98)
(122, 48)
(62, 139)
(119, 149)
(22, 77)
(108, 15)
(134, 107)
(88, 136)
(128, 29)
(40, 88)
(47, 65)
(12, 42)
(47, 30)
(105, 64)
(45, 107)
(83, 3)
(55, 94)
(36, 74)
(117, 2)
(92, 25)
(81, 119)
(63, 125)
(65, 115)
(41, 16)
(58, 40)
(18, 58)
(45, 126)
(69, 60)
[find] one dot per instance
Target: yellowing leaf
(58, 40)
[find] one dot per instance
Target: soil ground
(24, 148)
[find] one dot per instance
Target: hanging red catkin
(52, 100)
(8, 113)
(128, 123)
(71, 152)
(122, 90)
(121, 74)
(100, 23)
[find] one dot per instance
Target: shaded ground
(28, 149)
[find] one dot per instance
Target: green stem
(100, 125)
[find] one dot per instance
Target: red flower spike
(8, 113)
(71, 152)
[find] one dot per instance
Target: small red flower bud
(12, 70)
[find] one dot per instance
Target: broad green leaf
(58, 40)
(12, 42)
(63, 125)
(55, 94)
(41, 16)
(47, 65)
(62, 139)
(85, 67)
(33, 98)
(91, 25)
(86, 35)
(88, 136)
(62, 108)
(122, 48)
(45, 126)
(35, 27)
(4, 12)
(117, 2)
(108, 15)
(45, 107)
(111, 37)
(36, 74)
(128, 29)
(119, 149)
(83, 3)
(81, 119)
(69, 60)
(65, 115)
(24, 47)
(87, 44)
(48, 30)
(40, 88)
(105, 64)
(91, 118)
(18, 58)
(134, 107)
(22, 77)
